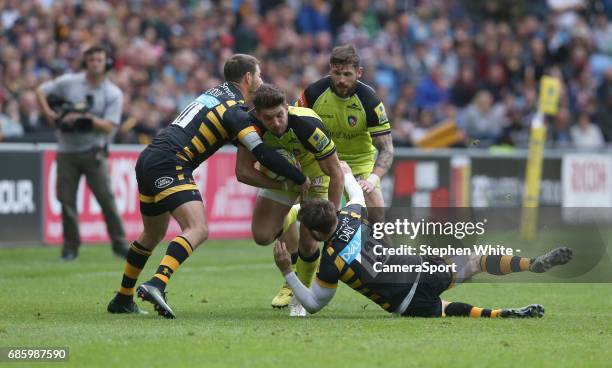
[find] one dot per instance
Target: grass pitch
(222, 294)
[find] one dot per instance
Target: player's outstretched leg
(192, 220)
(123, 302)
(290, 236)
(502, 265)
(530, 311)
(458, 309)
(556, 257)
(139, 252)
(153, 291)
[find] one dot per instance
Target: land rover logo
(163, 182)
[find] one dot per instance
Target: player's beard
(349, 91)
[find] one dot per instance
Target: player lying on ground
(297, 130)
(165, 180)
(408, 294)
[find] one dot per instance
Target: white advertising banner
(587, 180)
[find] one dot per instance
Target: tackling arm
(352, 188)
(313, 299)
(269, 157)
(247, 174)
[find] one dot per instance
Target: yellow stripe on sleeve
(245, 131)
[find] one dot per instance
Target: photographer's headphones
(108, 65)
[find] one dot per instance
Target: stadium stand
(432, 62)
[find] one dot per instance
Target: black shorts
(426, 301)
(163, 182)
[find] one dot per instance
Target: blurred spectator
(559, 135)
(585, 134)
(483, 120)
(465, 88)
(604, 106)
(431, 91)
(440, 51)
(9, 122)
(424, 123)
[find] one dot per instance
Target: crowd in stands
(476, 64)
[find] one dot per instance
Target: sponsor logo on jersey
(318, 140)
(352, 121)
(354, 106)
(208, 100)
(163, 182)
(352, 250)
(381, 113)
(316, 181)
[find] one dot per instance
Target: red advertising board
(229, 204)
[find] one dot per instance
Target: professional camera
(63, 108)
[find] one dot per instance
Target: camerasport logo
(163, 182)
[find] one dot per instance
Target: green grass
(222, 295)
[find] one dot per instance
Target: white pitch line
(240, 267)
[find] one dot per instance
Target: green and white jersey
(305, 137)
(351, 122)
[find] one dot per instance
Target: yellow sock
(291, 217)
(306, 268)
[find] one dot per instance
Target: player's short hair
(318, 214)
(345, 55)
(268, 96)
(238, 65)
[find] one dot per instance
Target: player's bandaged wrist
(373, 179)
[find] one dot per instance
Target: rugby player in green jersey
(300, 131)
(350, 252)
(357, 123)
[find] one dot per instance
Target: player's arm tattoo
(384, 145)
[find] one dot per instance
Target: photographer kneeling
(87, 110)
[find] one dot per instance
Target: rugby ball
(271, 174)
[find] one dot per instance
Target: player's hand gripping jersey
(351, 122)
(307, 140)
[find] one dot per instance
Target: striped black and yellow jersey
(349, 257)
(351, 121)
(217, 116)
